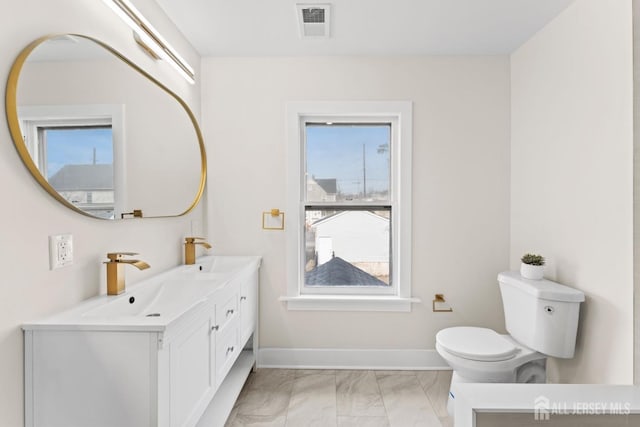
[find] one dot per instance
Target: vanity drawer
(227, 310)
(227, 349)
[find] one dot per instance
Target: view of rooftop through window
(347, 232)
(79, 165)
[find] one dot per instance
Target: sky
(335, 151)
(75, 146)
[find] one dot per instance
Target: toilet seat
(479, 344)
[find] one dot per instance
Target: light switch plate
(60, 251)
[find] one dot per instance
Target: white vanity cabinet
(143, 372)
(191, 379)
(248, 305)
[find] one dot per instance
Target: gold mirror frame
(11, 106)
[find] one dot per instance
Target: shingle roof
(83, 178)
(329, 185)
(339, 272)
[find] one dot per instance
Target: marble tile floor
(326, 398)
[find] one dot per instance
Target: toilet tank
(541, 314)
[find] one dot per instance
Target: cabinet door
(89, 378)
(248, 306)
(227, 349)
(191, 376)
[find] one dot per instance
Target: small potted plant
(532, 266)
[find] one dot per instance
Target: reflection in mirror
(99, 134)
(73, 148)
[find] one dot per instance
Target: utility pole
(364, 173)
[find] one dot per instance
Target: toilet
(541, 317)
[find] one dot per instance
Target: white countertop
(188, 295)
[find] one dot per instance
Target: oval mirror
(101, 135)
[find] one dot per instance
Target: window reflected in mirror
(79, 165)
(74, 151)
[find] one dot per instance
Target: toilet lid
(476, 344)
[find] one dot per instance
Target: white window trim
(33, 116)
(401, 113)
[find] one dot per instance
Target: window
(74, 151)
(347, 207)
(349, 189)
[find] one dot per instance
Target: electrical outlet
(60, 251)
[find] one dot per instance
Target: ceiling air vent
(314, 20)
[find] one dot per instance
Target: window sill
(349, 303)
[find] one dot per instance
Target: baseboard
(315, 358)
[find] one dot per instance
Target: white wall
(571, 175)
(28, 215)
(460, 184)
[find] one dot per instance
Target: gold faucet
(115, 275)
(190, 248)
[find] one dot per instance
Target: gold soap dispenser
(115, 272)
(190, 248)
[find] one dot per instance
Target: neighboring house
(338, 272)
(88, 187)
(322, 190)
(359, 237)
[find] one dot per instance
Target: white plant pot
(533, 272)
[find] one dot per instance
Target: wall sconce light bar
(150, 37)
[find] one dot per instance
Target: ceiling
(362, 27)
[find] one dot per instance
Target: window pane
(347, 247)
(77, 146)
(347, 162)
(79, 165)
